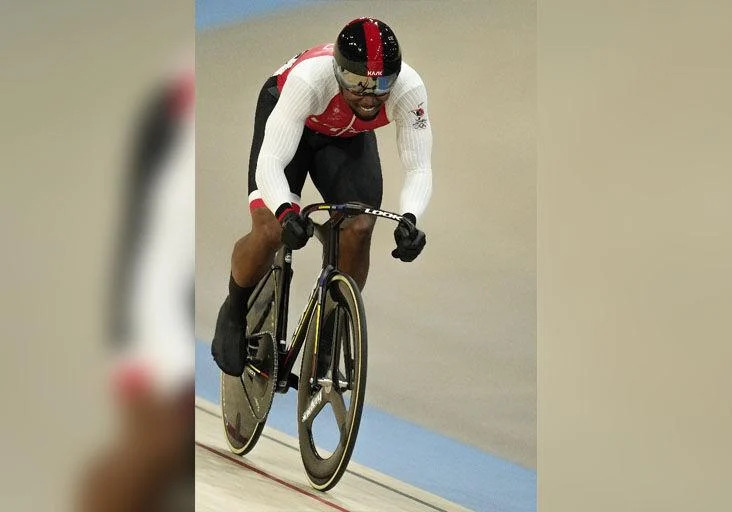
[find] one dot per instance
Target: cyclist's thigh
(296, 171)
(349, 169)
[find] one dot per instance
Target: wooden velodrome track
(452, 335)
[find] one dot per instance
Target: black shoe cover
(229, 348)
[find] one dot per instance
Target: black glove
(296, 229)
(410, 242)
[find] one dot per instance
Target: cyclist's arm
(414, 143)
(281, 138)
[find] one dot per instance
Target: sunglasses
(363, 85)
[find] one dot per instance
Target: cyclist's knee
(359, 229)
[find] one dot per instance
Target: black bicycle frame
(283, 266)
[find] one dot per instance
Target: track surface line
(271, 477)
(349, 471)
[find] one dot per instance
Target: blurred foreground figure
(149, 465)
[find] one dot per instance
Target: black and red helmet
(367, 57)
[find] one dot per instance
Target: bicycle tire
(243, 423)
(343, 300)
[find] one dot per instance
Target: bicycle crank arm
(292, 381)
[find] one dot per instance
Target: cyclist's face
(366, 106)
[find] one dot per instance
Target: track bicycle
(332, 334)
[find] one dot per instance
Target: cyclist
(317, 114)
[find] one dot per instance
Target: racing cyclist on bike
(317, 114)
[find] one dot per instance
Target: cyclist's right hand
(296, 229)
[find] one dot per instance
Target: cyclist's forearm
(415, 148)
(414, 143)
(416, 192)
(271, 181)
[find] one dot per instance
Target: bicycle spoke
(339, 409)
(315, 405)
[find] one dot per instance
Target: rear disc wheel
(246, 400)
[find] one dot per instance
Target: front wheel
(332, 383)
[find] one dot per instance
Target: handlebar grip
(411, 227)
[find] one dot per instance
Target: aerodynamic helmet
(367, 57)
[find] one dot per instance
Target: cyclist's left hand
(409, 242)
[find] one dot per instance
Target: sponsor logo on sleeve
(420, 121)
